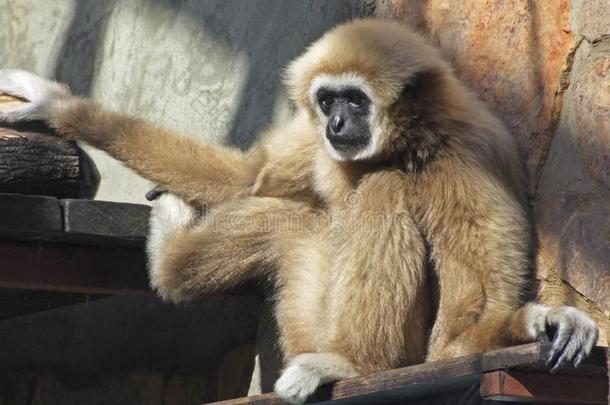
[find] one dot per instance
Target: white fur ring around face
(35, 92)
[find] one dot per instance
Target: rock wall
(544, 68)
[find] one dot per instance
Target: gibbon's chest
(370, 225)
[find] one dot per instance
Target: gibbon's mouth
(343, 143)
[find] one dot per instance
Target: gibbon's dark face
(347, 110)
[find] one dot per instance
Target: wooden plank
(105, 223)
(413, 381)
(29, 217)
(426, 379)
(86, 222)
(531, 387)
(60, 267)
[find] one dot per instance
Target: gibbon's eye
(356, 100)
(327, 100)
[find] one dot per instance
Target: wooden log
(33, 162)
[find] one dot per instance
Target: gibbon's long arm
(483, 278)
(193, 170)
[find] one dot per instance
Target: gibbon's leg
(480, 250)
(192, 170)
(351, 291)
(234, 243)
(299, 310)
(306, 372)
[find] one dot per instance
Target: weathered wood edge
(511, 385)
(104, 223)
(434, 377)
(81, 222)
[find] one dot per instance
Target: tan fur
(419, 252)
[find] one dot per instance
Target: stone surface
(573, 205)
(513, 54)
(544, 68)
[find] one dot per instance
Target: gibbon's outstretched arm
(195, 171)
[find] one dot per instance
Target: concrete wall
(209, 69)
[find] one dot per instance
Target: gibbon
(390, 213)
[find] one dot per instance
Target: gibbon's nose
(336, 123)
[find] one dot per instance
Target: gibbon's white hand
(575, 336)
(37, 91)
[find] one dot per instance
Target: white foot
(169, 215)
(306, 372)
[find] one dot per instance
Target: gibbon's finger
(568, 352)
(561, 338)
(25, 112)
(154, 193)
(586, 348)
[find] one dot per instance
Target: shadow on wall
(270, 33)
(76, 60)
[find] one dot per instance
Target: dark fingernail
(154, 194)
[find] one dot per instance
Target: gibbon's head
(373, 87)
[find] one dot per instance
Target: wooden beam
(83, 269)
(105, 223)
(431, 378)
(83, 222)
(528, 387)
(29, 216)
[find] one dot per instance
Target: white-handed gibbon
(390, 213)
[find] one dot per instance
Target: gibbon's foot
(306, 372)
(37, 91)
(574, 334)
(169, 215)
(154, 193)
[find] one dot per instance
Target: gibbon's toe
(297, 383)
(574, 338)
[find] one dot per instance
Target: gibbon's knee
(169, 215)
(306, 372)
